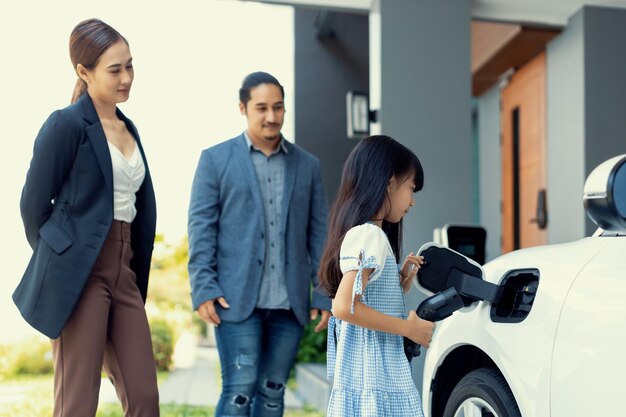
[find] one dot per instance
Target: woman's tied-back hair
(88, 41)
(255, 79)
(362, 193)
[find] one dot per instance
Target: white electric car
(553, 343)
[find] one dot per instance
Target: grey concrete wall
(605, 87)
(490, 169)
(420, 82)
(325, 70)
(586, 104)
(424, 83)
(565, 125)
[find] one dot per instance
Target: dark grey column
(420, 81)
(331, 53)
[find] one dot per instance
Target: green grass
(32, 397)
(167, 410)
(26, 396)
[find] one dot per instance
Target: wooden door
(523, 126)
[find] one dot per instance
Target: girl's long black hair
(363, 191)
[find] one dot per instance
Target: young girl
(359, 269)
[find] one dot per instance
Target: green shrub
(200, 327)
(312, 345)
(30, 357)
(5, 363)
(163, 341)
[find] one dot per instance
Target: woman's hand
(408, 271)
(419, 330)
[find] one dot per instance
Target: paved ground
(195, 379)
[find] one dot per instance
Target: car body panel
(588, 362)
(529, 342)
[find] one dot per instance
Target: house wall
(565, 124)
(585, 123)
(605, 87)
(586, 104)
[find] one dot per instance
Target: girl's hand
(408, 271)
(419, 330)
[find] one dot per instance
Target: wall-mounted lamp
(359, 115)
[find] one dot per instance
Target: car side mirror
(604, 195)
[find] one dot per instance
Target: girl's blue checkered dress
(372, 376)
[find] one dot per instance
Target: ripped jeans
(256, 356)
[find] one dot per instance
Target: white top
(128, 174)
(364, 247)
(360, 244)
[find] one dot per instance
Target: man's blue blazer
(67, 210)
(226, 227)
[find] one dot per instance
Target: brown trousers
(108, 329)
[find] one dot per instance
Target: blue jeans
(256, 356)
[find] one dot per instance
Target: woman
(89, 213)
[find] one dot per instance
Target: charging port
(519, 288)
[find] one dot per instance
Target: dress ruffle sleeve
(363, 247)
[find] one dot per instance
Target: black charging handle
(435, 308)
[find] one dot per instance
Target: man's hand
(207, 312)
(323, 321)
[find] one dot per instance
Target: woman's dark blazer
(67, 210)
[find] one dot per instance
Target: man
(257, 227)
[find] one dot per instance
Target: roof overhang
(354, 6)
(541, 12)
